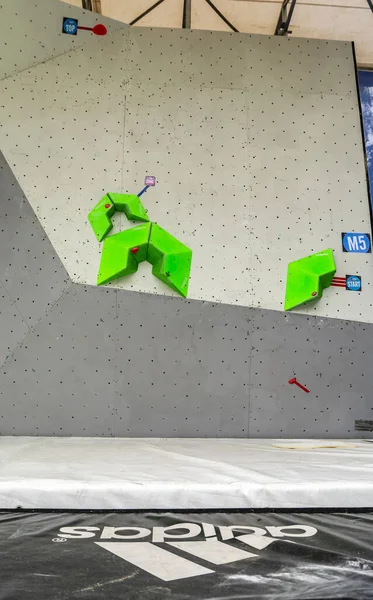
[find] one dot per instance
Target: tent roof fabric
(346, 20)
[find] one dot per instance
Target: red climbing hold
(135, 250)
(294, 380)
(99, 29)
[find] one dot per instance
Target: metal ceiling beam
(187, 14)
(96, 6)
(284, 19)
(223, 18)
(93, 5)
(146, 12)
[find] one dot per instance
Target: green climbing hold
(131, 205)
(170, 258)
(100, 217)
(117, 259)
(308, 277)
(123, 251)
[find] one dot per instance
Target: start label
(353, 283)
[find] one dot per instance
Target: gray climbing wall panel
(81, 360)
(330, 357)
(32, 277)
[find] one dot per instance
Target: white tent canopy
(322, 19)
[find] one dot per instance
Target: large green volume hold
(308, 277)
(122, 252)
(170, 258)
(100, 217)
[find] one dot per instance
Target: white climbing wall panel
(255, 142)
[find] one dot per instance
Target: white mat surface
(91, 473)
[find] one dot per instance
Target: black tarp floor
(208, 555)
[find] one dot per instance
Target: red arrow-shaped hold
(98, 29)
(294, 380)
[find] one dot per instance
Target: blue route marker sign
(353, 283)
(70, 26)
(356, 242)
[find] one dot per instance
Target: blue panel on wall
(366, 98)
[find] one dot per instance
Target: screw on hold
(135, 250)
(107, 205)
(314, 294)
(168, 274)
(294, 380)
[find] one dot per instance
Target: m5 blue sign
(356, 242)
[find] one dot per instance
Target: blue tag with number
(70, 26)
(353, 283)
(356, 242)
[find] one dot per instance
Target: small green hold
(100, 217)
(308, 277)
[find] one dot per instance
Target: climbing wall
(255, 142)
(257, 149)
(82, 360)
